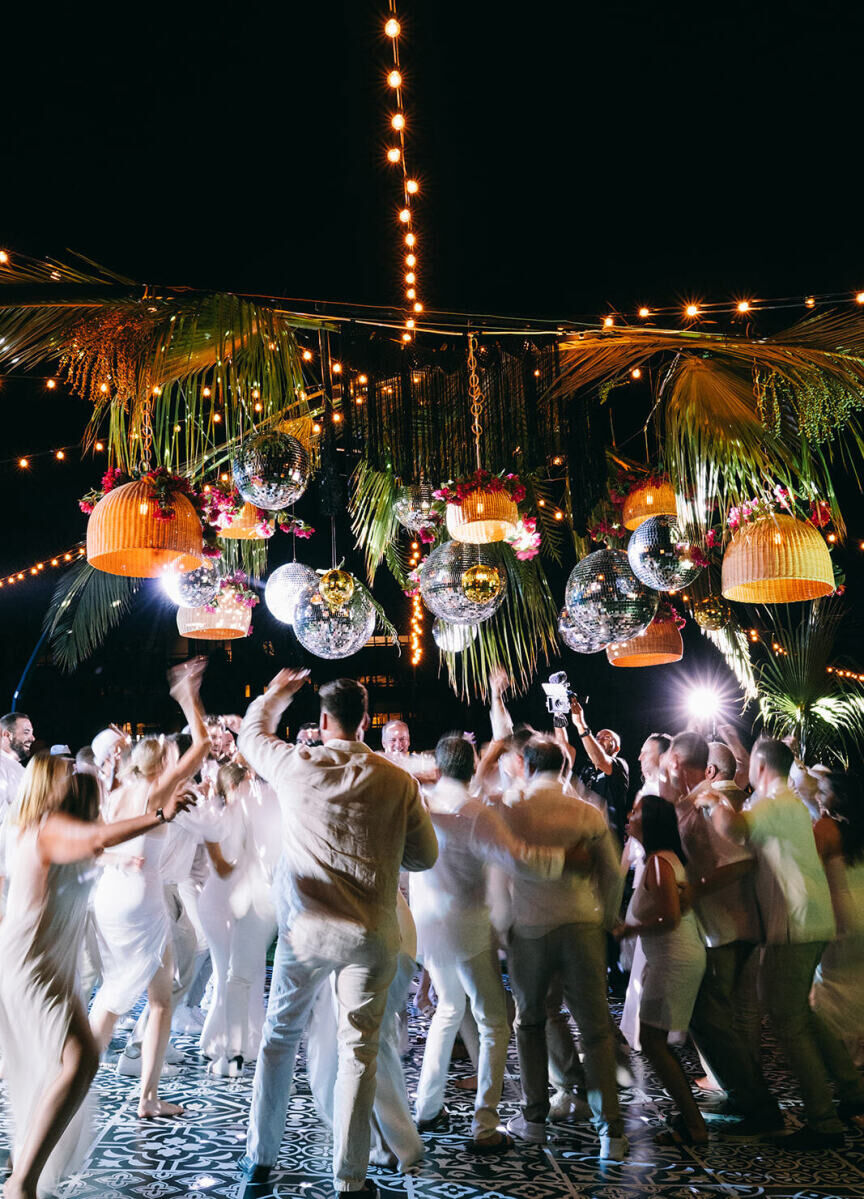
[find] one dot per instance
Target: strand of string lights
(26, 573)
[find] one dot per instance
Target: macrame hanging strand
(475, 395)
(146, 435)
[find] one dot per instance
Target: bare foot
(152, 1109)
(14, 1190)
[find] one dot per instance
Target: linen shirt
(449, 902)
(350, 819)
(729, 913)
(791, 887)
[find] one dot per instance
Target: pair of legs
(79, 1062)
(655, 1046)
(185, 945)
(361, 993)
(156, 1036)
(476, 983)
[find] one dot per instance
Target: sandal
(499, 1142)
(676, 1133)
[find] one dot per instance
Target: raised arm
(593, 748)
(502, 722)
(63, 839)
(185, 688)
(257, 742)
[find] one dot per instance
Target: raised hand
(499, 680)
(287, 682)
(184, 681)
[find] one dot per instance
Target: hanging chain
(475, 395)
(146, 435)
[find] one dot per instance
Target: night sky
(572, 158)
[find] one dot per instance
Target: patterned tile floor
(198, 1154)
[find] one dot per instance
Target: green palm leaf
(86, 605)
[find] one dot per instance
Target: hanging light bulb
(397, 121)
(392, 28)
(394, 79)
(394, 154)
(412, 187)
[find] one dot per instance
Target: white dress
(674, 958)
(838, 988)
(132, 922)
(40, 942)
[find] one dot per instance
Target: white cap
(104, 743)
(59, 751)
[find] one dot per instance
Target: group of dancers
(149, 868)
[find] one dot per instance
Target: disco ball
(453, 638)
(271, 470)
(575, 638)
(413, 507)
(712, 613)
(606, 600)
(283, 589)
(441, 583)
(333, 632)
(192, 588)
(336, 587)
(482, 583)
(659, 554)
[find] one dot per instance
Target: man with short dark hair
(350, 819)
(606, 775)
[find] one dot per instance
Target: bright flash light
(704, 704)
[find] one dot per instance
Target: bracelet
(160, 816)
(587, 733)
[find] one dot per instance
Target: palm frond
(373, 522)
(86, 605)
(733, 645)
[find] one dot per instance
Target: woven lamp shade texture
(482, 517)
(648, 501)
(777, 560)
(658, 645)
(244, 526)
(125, 538)
(228, 621)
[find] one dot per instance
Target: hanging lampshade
(244, 526)
(414, 508)
(271, 470)
(777, 560)
(712, 613)
(658, 645)
(333, 632)
(649, 499)
(124, 536)
(575, 638)
(453, 638)
(224, 621)
(283, 589)
(660, 555)
(606, 600)
(443, 584)
(482, 517)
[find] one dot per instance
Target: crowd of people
(729, 889)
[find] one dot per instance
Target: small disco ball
(333, 632)
(283, 589)
(606, 600)
(336, 587)
(192, 588)
(442, 588)
(712, 613)
(660, 555)
(575, 638)
(413, 507)
(271, 470)
(482, 583)
(453, 638)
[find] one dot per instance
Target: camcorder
(559, 693)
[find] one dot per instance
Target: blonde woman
(129, 907)
(49, 1054)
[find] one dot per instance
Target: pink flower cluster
(693, 552)
(605, 529)
(413, 579)
(820, 513)
(481, 480)
(667, 613)
(235, 587)
(525, 539)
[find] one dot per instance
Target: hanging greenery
(86, 605)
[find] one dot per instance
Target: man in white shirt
(798, 920)
(396, 746)
(350, 820)
(558, 927)
(16, 740)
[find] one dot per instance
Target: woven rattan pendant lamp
(244, 526)
(648, 499)
(225, 620)
(777, 560)
(658, 645)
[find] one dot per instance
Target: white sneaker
(614, 1149)
(567, 1105)
(129, 1066)
(526, 1130)
(187, 1021)
(173, 1055)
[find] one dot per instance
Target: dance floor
(198, 1153)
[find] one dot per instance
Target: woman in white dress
(49, 1054)
(238, 917)
(129, 907)
(660, 914)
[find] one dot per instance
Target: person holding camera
(606, 774)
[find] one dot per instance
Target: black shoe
(753, 1128)
(805, 1139)
(437, 1123)
(370, 1191)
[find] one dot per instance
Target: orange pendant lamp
(124, 536)
(482, 517)
(244, 526)
(658, 645)
(777, 560)
(225, 620)
(649, 499)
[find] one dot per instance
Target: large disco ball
(660, 555)
(271, 470)
(283, 589)
(575, 638)
(606, 600)
(443, 590)
(333, 632)
(453, 638)
(192, 588)
(413, 507)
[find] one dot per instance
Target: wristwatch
(160, 816)
(586, 733)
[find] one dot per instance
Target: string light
(412, 187)
(363, 379)
(23, 463)
(60, 455)
(810, 302)
(410, 259)
(691, 310)
(743, 305)
(51, 384)
(859, 299)
(397, 121)
(608, 322)
(34, 570)
(636, 373)
(392, 28)
(394, 79)
(4, 257)
(394, 154)
(337, 368)
(643, 312)
(307, 355)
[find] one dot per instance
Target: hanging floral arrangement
(223, 505)
(163, 490)
(234, 588)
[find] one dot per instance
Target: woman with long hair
(49, 1054)
(129, 906)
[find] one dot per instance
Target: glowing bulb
(608, 322)
(392, 28)
(60, 455)
(216, 418)
(412, 187)
(692, 310)
(255, 393)
(559, 515)
(809, 302)
(406, 336)
(397, 121)
(859, 299)
(99, 447)
(157, 391)
(409, 324)
(394, 154)
(410, 277)
(363, 379)
(67, 557)
(394, 79)
(23, 463)
(54, 562)
(536, 374)
(206, 393)
(410, 239)
(103, 387)
(832, 537)
(316, 428)
(643, 312)
(410, 259)
(307, 355)
(259, 407)
(4, 257)
(405, 215)
(337, 416)
(337, 368)
(743, 305)
(636, 373)
(418, 307)
(703, 703)
(410, 293)
(51, 384)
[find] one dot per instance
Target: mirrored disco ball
(283, 589)
(606, 600)
(413, 507)
(192, 588)
(575, 638)
(333, 632)
(453, 638)
(712, 613)
(271, 470)
(442, 588)
(659, 554)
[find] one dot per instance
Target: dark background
(573, 158)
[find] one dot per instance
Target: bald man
(396, 745)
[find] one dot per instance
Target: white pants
(477, 981)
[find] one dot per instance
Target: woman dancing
(129, 900)
(49, 1054)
